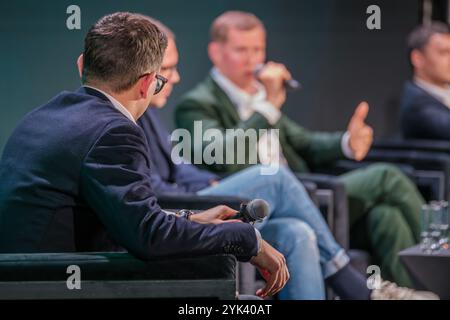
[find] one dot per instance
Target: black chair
(115, 275)
(430, 170)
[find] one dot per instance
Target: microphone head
(258, 209)
(258, 69)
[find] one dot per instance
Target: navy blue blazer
(75, 176)
(168, 177)
(422, 116)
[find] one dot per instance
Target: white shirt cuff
(345, 146)
(269, 112)
(259, 239)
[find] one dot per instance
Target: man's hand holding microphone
(274, 77)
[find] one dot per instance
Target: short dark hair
(419, 37)
(243, 21)
(120, 48)
(161, 26)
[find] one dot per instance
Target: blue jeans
(294, 226)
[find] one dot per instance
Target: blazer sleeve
(115, 182)
(193, 178)
(317, 148)
(188, 178)
(426, 119)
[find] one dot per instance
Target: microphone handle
(242, 215)
(292, 85)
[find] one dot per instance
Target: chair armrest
(427, 166)
(108, 275)
(311, 188)
(412, 144)
(429, 170)
(424, 163)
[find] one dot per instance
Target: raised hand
(361, 134)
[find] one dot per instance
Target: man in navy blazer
(425, 106)
(75, 173)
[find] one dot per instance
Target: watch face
(185, 213)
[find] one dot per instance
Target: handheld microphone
(253, 211)
(290, 85)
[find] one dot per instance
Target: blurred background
(325, 44)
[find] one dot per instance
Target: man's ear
(80, 65)
(416, 57)
(214, 52)
(144, 84)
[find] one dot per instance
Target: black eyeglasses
(160, 82)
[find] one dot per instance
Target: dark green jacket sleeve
(194, 113)
(316, 148)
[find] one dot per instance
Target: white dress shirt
(442, 94)
(269, 149)
(117, 105)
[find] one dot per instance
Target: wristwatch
(184, 213)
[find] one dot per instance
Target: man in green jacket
(384, 204)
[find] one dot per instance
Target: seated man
(75, 175)
(289, 203)
(425, 106)
(384, 203)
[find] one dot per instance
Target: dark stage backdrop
(325, 43)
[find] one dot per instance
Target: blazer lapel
(223, 100)
(424, 92)
(160, 133)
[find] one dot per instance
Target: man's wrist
(345, 146)
(184, 213)
(213, 182)
(259, 240)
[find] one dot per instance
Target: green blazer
(207, 102)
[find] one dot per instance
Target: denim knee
(301, 232)
(289, 233)
(285, 172)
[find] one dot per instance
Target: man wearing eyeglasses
(75, 173)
